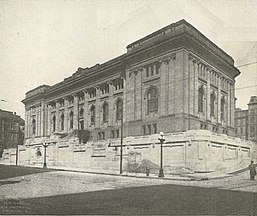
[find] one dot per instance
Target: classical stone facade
(172, 80)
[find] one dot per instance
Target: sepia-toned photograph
(128, 107)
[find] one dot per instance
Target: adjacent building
(173, 80)
(246, 121)
(11, 130)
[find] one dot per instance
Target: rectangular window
(158, 68)
(149, 129)
(153, 105)
(154, 128)
(252, 119)
(112, 134)
(252, 129)
(144, 130)
(118, 133)
(99, 135)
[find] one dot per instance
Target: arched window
(222, 108)
(92, 114)
(33, 126)
(54, 123)
(212, 103)
(152, 100)
(105, 112)
(71, 120)
(62, 122)
(119, 109)
(200, 99)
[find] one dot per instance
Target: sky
(45, 41)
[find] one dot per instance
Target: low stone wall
(196, 150)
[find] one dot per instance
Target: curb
(123, 175)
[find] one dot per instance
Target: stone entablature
(174, 30)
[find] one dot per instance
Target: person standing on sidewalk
(252, 171)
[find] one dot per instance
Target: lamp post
(45, 145)
(162, 139)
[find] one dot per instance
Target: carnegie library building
(174, 81)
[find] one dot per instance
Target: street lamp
(45, 145)
(162, 139)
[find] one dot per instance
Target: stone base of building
(191, 151)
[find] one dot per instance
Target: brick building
(172, 80)
(246, 121)
(11, 130)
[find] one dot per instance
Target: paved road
(62, 192)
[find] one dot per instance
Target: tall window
(81, 119)
(81, 113)
(71, 120)
(92, 114)
(152, 100)
(119, 109)
(33, 126)
(212, 103)
(105, 112)
(200, 99)
(222, 108)
(54, 123)
(62, 122)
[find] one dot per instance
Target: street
(34, 191)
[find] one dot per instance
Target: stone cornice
(172, 30)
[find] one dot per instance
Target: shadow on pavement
(146, 200)
(10, 171)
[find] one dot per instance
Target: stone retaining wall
(195, 150)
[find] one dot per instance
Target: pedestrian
(252, 171)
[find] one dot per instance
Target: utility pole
(121, 141)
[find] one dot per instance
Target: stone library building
(174, 80)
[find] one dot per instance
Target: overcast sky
(44, 41)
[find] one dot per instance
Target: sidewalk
(177, 177)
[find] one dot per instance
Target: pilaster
(138, 92)
(229, 102)
(26, 123)
(57, 117)
(195, 87)
(66, 114)
(164, 86)
(43, 120)
(219, 98)
(233, 105)
(98, 109)
(48, 119)
(191, 89)
(86, 110)
(111, 104)
(124, 107)
(208, 92)
(76, 112)
(171, 86)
